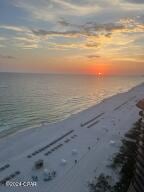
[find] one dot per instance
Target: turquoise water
(27, 100)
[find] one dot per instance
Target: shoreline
(11, 132)
(90, 137)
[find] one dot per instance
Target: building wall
(137, 184)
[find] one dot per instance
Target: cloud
(81, 10)
(41, 32)
(93, 35)
(22, 37)
(88, 29)
(2, 38)
(135, 1)
(48, 10)
(13, 28)
(90, 35)
(92, 26)
(76, 45)
(75, 8)
(92, 44)
(7, 57)
(27, 41)
(124, 25)
(93, 56)
(64, 23)
(94, 30)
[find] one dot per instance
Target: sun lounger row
(67, 140)
(50, 144)
(130, 99)
(73, 136)
(118, 107)
(58, 146)
(91, 120)
(11, 176)
(94, 123)
(4, 167)
(54, 149)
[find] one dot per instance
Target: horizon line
(77, 74)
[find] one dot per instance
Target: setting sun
(71, 74)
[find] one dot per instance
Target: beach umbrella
(74, 151)
(63, 162)
(46, 172)
(112, 142)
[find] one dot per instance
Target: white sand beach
(90, 137)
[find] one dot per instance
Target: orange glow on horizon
(67, 65)
(99, 69)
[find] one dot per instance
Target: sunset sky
(72, 36)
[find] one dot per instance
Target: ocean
(29, 100)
